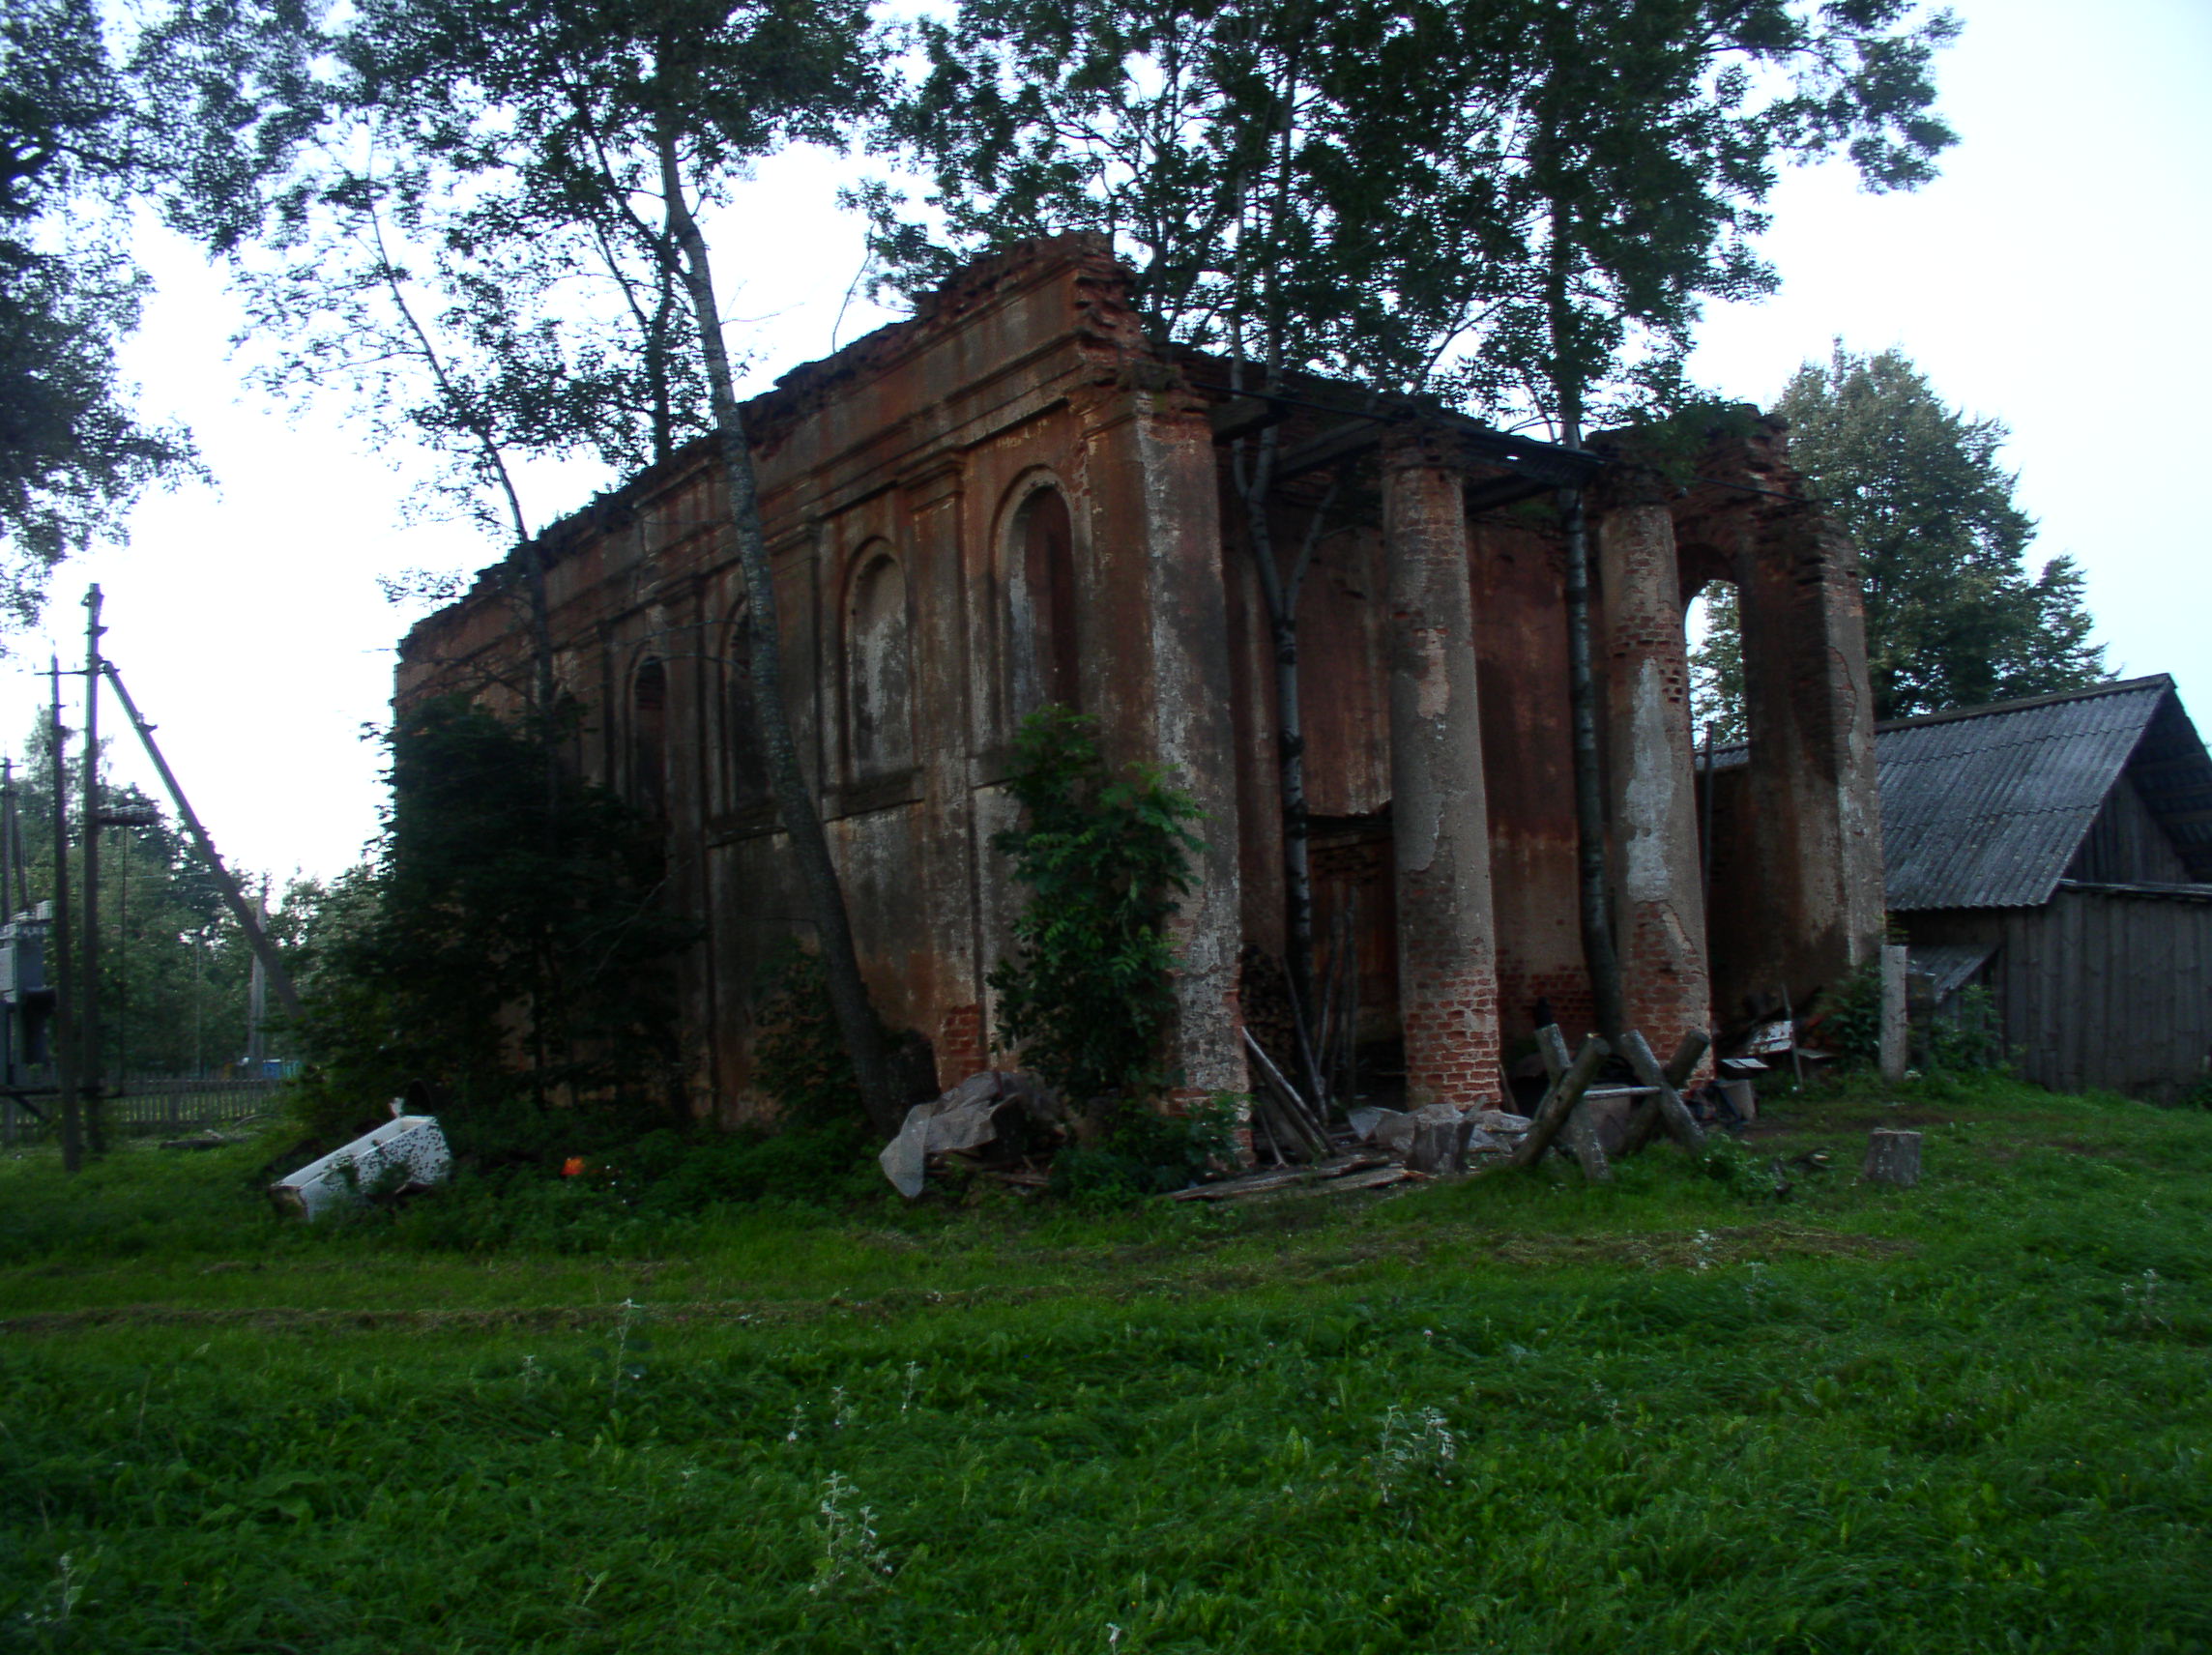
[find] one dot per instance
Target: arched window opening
(1044, 592)
(1712, 625)
(649, 739)
(744, 750)
(879, 677)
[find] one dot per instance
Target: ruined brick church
(1015, 498)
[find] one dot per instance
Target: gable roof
(1987, 806)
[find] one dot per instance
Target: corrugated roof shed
(1985, 808)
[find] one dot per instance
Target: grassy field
(1512, 1413)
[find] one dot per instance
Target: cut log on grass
(1560, 1101)
(1439, 1141)
(1667, 1109)
(1892, 1158)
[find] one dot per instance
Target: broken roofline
(1540, 465)
(771, 415)
(1531, 466)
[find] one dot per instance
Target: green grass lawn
(1508, 1413)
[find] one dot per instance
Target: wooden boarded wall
(2110, 989)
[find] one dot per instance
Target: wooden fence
(147, 1108)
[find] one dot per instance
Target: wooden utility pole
(257, 996)
(240, 909)
(90, 1084)
(8, 837)
(18, 891)
(64, 1032)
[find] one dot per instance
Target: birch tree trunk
(857, 1020)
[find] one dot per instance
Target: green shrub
(1087, 995)
(799, 1059)
(1971, 1040)
(1851, 1015)
(1144, 1153)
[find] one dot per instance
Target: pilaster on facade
(1148, 482)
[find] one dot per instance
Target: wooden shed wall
(2128, 844)
(2098, 988)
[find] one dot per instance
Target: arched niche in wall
(649, 738)
(744, 747)
(879, 668)
(1041, 659)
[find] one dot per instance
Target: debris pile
(1008, 1127)
(1006, 1124)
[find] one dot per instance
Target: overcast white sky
(2055, 278)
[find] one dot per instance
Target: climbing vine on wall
(1087, 995)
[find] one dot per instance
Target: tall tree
(506, 946)
(622, 125)
(180, 109)
(1224, 150)
(74, 454)
(1526, 201)
(1634, 144)
(1956, 617)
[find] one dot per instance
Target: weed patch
(1514, 1413)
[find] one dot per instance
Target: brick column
(1660, 914)
(1447, 954)
(1155, 664)
(1810, 706)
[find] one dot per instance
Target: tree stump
(1439, 1146)
(1892, 1158)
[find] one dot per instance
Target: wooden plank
(1243, 416)
(1345, 440)
(1289, 1105)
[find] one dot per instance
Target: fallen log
(1560, 1100)
(1671, 1109)
(1645, 1122)
(1581, 1128)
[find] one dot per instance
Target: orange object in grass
(573, 1166)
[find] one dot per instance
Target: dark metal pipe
(1599, 950)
